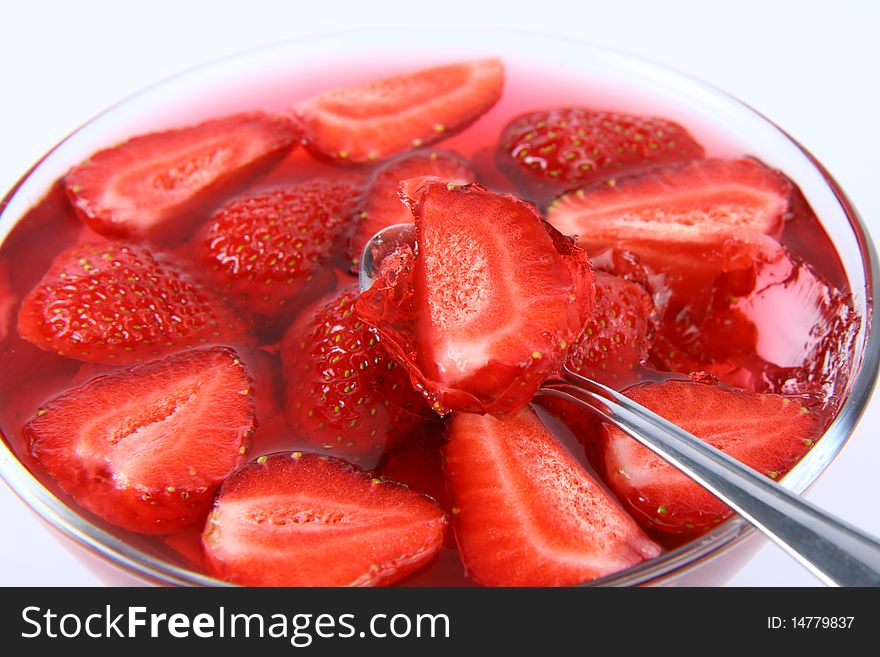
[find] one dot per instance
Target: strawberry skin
(550, 151)
(375, 120)
(615, 342)
(382, 206)
(618, 335)
(145, 448)
(526, 513)
(769, 433)
(120, 303)
(344, 393)
(155, 185)
(298, 519)
(266, 251)
(486, 311)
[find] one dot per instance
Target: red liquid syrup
(785, 327)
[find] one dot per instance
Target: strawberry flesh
(484, 313)
(146, 448)
(344, 393)
(382, 206)
(268, 251)
(121, 303)
(697, 203)
(155, 185)
(526, 513)
(297, 519)
(769, 433)
(378, 119)
(551, 151)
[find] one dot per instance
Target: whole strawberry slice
(119, 303)
(769, 433)
(487, 309)
(377, 119)
(308, 520)
(700, 203)
(382, 207)
(268, 251)
(550, 151)
(146, 448)
(155, 185)
(344, 393)
(526, 513)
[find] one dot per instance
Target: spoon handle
(836, 552)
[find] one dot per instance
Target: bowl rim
(658, 571)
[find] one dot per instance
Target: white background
(809, 66)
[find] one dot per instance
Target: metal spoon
(835, 551)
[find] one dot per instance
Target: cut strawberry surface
(268, 251)
(382, 206)
(120, 303)
(551, 151)
(698, 203)
(146, 448)
(375, 120)
(154, 185)
(344, 392)
(769, 433)
(526, 513)
(487, 309)
(297, 519)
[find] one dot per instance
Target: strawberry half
(769, 433)
(268, 251)
(700, 203)
(375, 120)
(146, 448)
(551, 151)
(486, 311)
(382, 206)
(344, 393)
(526, 513)
(119, 303)
(155, 185)
(308, 520)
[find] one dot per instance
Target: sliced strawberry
(489, 306)
(344, 393)
(154, 185)
(120, 303)
(308, 520)
(550, 151)
(526, 513)
(769, 433)
(382, 206)
(268, 251)
(375, 120)
(701, 203)
(146, 448)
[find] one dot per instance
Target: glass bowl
(273, 78)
